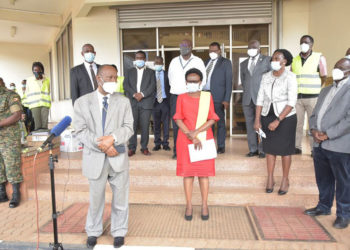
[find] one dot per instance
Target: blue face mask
(140, 63)
(89, 57)
(158, 67)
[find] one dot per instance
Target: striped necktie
(210, 66)
(159, 89)
(104, 112)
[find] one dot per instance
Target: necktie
(252, 66)
(210, 66)
(159, 89)
(93, 77)
(104, 112)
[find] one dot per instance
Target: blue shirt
(161, 76)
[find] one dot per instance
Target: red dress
(187, 111)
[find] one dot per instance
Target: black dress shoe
(282, 192)
(166, 148)
(261, 155)
(189, 217)
(91, 242)
(118, 242)
(156, 148)
(251, 154)
(297, 151)
(221, 150)
(341, 223)
(270, 190)
(205, 217)
(315, 211)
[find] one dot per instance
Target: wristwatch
(278, 119)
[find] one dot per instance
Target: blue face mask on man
(158, 67)
(139, 63)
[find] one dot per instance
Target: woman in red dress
(187, 107)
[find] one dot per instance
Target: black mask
(37, 74)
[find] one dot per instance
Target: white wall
(16, 61)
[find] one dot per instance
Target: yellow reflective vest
(38, 96)
(120, 88)
(308, 77)
(24, 101)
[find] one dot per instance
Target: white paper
(261, 133)
(207, 152)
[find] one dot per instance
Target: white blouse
(278, 91)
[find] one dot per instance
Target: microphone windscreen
(61, 126)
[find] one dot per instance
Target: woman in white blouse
(275, 116)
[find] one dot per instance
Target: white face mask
(89, 57)
(347, 57)
(109, 87)
(337, 74)
(192, 87)
(252, 52)
(275, 65)
(213, 55)
(304, 47)
(12, 87)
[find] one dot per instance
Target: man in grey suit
(330, 128)
(251, 72)
(140, 88)
(219, 83)
(103, 123)
(83, 76)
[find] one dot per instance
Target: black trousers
(221, 127)
(161, 115)
(141, 118)
(332, 171)
(173, 100)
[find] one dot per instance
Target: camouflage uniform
(10, 139)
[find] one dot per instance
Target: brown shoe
(131, 152)
(145, 152)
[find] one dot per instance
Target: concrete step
(175, 195)
(164, 178)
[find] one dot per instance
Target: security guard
(38, 96)
(10, 145)
(311, 71)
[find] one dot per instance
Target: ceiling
(34, 21)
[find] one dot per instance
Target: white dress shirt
(253, 59)
(327, 101)
(207, 86)
(177, 70)
(94, 68)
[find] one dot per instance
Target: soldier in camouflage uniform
(10, 145)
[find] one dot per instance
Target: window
(64, 50)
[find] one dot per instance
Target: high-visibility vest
(37, 97)
(120, 88)
(308, 78)
(24, 101)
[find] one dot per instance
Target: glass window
(205, 35)
(129, 57)
(171, 37)
(137, 39)
(242, 34)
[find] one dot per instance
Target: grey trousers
(252, 136)
(41, 117)
(303, 105)
(119, 182)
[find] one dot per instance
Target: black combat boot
(3, 195)
(16, 196)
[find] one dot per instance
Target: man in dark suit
(161, 108)
(219, 83)
(140, 88)
(251, 71)
(83, 76)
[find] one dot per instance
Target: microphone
(56, 131)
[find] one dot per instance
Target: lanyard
(183, 67)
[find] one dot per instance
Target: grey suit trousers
(252, 136)
(119, 182)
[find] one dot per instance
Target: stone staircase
(238, 181)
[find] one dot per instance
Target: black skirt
(282, 140)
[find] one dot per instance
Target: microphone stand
(52, 159)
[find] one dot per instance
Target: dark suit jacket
(251, 83)
(221, 80)
(80, 83)
(148, 87)
(166, 87)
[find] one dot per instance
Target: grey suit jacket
(221, 80)
(80, 83)
(336, 120)
(88, 128)
(251, 83)
(148, 87)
